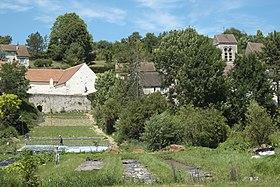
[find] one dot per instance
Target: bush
(235, 142)
(43, 63)
(274, 139)
(163, 130)
(259, 125)
(203, 127)
(132, 118)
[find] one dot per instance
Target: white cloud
(47, 10)
(159, 15)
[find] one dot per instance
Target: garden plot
(196, 173)
(90, 165)
(134, 171)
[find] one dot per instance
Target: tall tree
(192, 68)
(5, 39)
(35, 43)
(150, 41)
(68, 29)
(271, 56)
(248, 80)
(13, 80)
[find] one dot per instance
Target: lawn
(61, 120)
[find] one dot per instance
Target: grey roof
(224, 39)
(253, 48)
(150, 79)
(20, 50)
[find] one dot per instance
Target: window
(230, 56)
(225, 53)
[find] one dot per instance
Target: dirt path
(99, 131)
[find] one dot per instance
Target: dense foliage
(69, 40)
(5, 39)
(163, 130)
(193, 66)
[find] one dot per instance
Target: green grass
(66, 121)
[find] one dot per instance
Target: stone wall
(60, 103)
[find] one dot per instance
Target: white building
(15, 53)
(59, 90)
(228, 46)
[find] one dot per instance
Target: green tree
(249, 80)
(5, 39)
(192, 66)
(35, 43)
(74, 54)
(13, 80)
(150, 41)
(9, 106)
(259, 125)
(271, 56)
(203, 127)
(68, 29)
(163, 130)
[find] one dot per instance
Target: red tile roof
(59, 76)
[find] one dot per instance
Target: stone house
(60, 90)
(149, 78)
(228, 46)
(15, 53)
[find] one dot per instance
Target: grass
(64, 131)
(66, 121)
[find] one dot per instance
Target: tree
(74, 54)
(271, 56)
(68, 29)
(259, 125)
(13, 80)
(192, 66)
(36, 44)
(150, 41)
(203, 127)
(5, 39)
(9, 106)
(248, 80)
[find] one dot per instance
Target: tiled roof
(59, 76)
(253, 48)
(68, 73)
(150, 79)
(147, 67)
(43, 75)
(21, 50)
(225, 39)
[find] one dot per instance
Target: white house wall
(74, 86)
(84, 77)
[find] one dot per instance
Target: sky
(115, 19)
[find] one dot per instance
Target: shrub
(132, 118)
(43, 63)
(274, 139)
(259, 125)
(203, 127)
(235, 142)
(163, 130)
